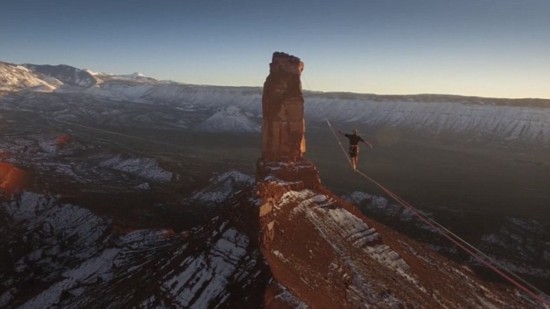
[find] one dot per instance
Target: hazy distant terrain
(458, 154)
(139, 148)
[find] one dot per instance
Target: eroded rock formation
(283, 128)
(283, 110)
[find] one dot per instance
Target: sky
(491, 48)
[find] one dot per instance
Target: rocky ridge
(323, 251)
(65, 256)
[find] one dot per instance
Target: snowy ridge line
(86, 79)
(461, 243)
(474, 119)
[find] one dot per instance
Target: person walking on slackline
(354, 140)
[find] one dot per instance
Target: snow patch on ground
(49, 146)
(143, 187)
(141, 167)
(28, 206)
(344, 232)
(290, 299)
(222, 187)
(373, 204)
(121, 91)
(72, 254)
(520, 243)
(205, 278)
(86, 271)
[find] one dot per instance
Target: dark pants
(353, 151)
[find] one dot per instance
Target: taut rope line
(457, 240)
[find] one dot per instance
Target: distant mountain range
(238, 109)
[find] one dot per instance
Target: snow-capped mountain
(17, 78)
(67, 75)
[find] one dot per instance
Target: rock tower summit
(283, 127)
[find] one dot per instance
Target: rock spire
(283, 125)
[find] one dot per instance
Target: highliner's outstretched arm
(367, 143)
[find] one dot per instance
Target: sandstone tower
(283, 127)
(283, 110)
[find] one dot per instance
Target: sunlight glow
(12, 179)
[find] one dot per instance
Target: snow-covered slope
(523, 246)
(80, 163)
(221, 187)
(62, 255)
(518, 244)
(477, 118)
(474, 118)
(229, 119)
(477, 121)
(122, 89)
(144, 168)
(16, 78)
(66, 74)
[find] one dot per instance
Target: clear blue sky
(498, 48)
